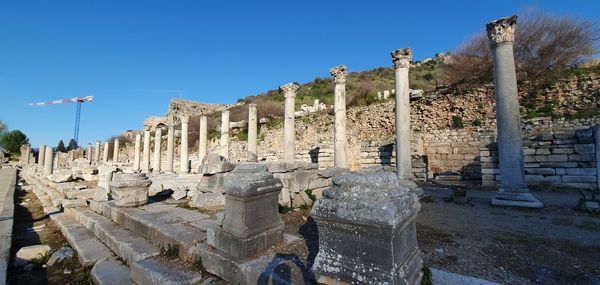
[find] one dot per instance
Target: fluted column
(48, 161)
(116, 151)
(513, 190)
(289, 131)
(105, 153)
(203, 139)
(183, 160)
(225, 134)
(252, 133)
(339, 140)
(136, 154)
(401, 59)
(41, 157)
(146, 152)
(170, 146)
(157, 142)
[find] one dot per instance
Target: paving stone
(153, 272)
(111, 272)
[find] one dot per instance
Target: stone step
(111, 272)
(89, 249)
(153, 271)
(123, 242)
(164, 225)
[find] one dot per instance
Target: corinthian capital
(184, 119)
(289, 89)
(402, 57)
(501, 30)
(339, 74)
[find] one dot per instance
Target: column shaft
(289, 130)
(184, 161)
(252, 133)
(136, 154)
(48, 161)
(203, 140)
(403, 134)
(157, 143)
(170, 147)
(146, 152)
(41, 157)
(116, 151)
(225, 134)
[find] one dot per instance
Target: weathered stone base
(238, 247)
(266, 269)
(412, 186)
(521, 198)
(130, 197)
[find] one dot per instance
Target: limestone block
(539, 179)
(208, 201)
(581, 171)
(367, 231)
(60, 177)
(130, 189)
(562, 151)
(101, 194)
(214, 163)
(540, 171)
(582, 157)
(29, 253)
(66, 204)
(212, 183)
(558, 158)
(179, 194)
(584, 148)
(579, 179)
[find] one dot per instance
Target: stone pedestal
(157, 143)
(116, 151)
(170, 147)
(184, 164)
(105, 153)
(146, 152)
(203, 139)
(48, 160)
(252, 133)
(339, 140)
(41, 157)
(289, 133)
(225, 134)
(252, 225)
(513, 190)
(130, 189)
(136, 152)
(367, 233)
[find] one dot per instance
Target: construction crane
(77, 100)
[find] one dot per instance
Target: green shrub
(477, 123)
(457, 122)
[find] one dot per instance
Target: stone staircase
(144, 245)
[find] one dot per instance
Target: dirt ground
(32, 226)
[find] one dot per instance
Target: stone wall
(557, 154)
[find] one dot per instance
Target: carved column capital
(289, 90)
(184, 119)
(402, 58)
(501, 31)
(339, 74)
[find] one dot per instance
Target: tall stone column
(157, 142)
(41, 157)
(289, 131)
(116, 151)
(48, 161)
(252, 133)
(170, 146)
(401, 59)
(88, 153)
(146, 152)
(105, 153)
(183, 159)
(513, 190)
(225, 134)
(97, 152)
(339, 140)
(203, 139)
(136, 154)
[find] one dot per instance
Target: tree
(545, 46)
(72, 145)
(12, 141)
(61, 146)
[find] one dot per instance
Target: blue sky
(136, 55)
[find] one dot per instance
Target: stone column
(513, 190)
(183, 159)
(170, 146)
(157, 141)
(88, 153)
(136, 154)
(116, 151)
(401, 59)
(146, 152)
(339, 140)
(289, 132)
(225, 134)
(97, 152)
(252, 133)
(41, 157)
(48, 160)
(105, 153)
(367, 232)
(203, 140)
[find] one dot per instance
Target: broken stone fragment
(214, 163)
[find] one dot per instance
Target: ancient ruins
(218, 204)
